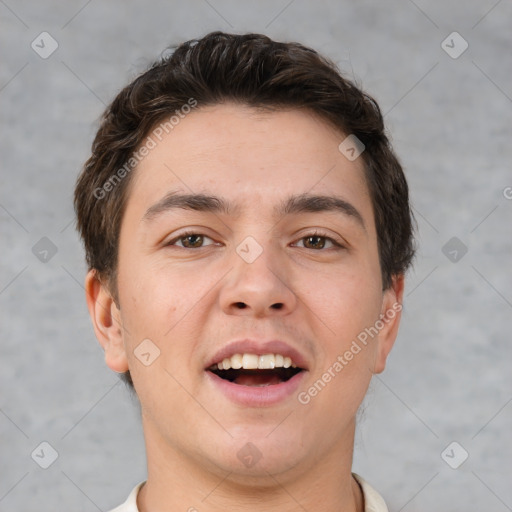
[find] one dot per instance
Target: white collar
(373, 501)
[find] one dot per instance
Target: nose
(258, 288)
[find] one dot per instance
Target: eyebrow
(309, 203)
(302, 203)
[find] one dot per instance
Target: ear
(106, 320)
(391, 313)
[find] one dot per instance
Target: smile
(256, 380)
(256, 370)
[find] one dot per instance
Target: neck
(177, 481)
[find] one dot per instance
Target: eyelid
(338, 244)
(188, 232)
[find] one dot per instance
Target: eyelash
(320, 234)
(336, 245)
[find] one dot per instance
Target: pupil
(190, 238)
(318, 241)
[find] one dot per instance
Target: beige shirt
(373, 501)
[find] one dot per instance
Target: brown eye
(317, 242)
(314, 242)
(191, 241)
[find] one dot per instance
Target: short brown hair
(252, 70)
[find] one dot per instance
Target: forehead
(252, 159)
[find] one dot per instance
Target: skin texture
(187, 301)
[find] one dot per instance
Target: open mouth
(255, 370)
(257, 377)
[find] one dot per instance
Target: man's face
(205, 284)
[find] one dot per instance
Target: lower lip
(257, 396)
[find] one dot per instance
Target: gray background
(448, 378)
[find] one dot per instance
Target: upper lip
(249, 346)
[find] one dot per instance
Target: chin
(259, 453)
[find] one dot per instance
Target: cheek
(345, 305)
(154, 308)
(345, 300)
(160, 304)
(150, 291)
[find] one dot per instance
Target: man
(247, 229)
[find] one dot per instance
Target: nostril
(243, 305)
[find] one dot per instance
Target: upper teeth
(254, 362)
